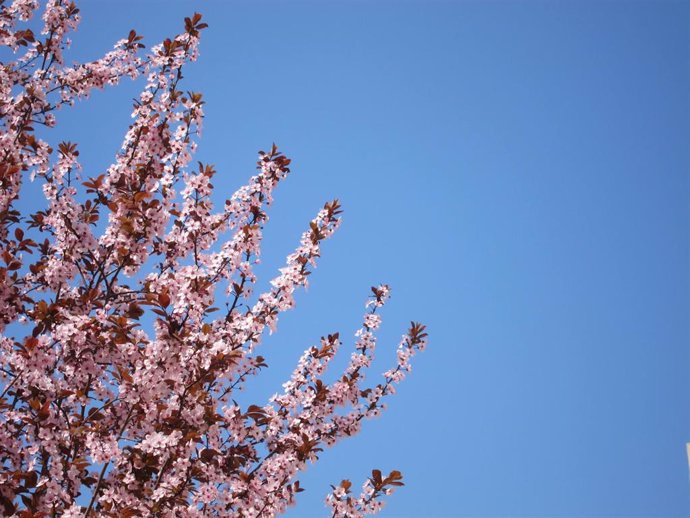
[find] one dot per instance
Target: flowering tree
(116, 371)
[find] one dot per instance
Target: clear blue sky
(518, 172)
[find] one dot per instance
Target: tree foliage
(116, 369)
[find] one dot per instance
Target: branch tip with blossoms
(369, 502)
(116, 374)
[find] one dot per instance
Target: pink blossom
(104, 415)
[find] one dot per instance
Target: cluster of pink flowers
(117, 372)
(345, 505)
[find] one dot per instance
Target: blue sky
(518, 173)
